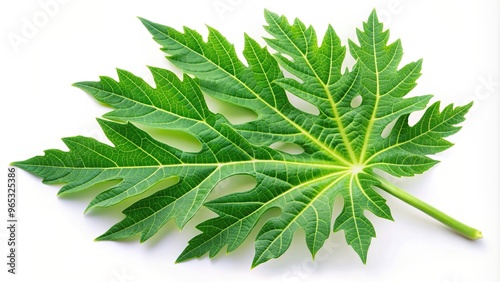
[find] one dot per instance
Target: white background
(79, 40)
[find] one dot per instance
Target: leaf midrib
(311, 202)
(369, 128)
(298, 127)
(270, 203)
(337, 119)
(411, 139)
(154, 107)
(325, 165)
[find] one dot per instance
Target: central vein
(369, 128)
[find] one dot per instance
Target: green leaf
(342, 146)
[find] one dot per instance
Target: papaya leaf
(343, 145)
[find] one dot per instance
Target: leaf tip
(258, 260)
(87, 209)
(145, 21)
(61, 192)
(102, 237)
(25, 165)
(101, 122)
(144, 238)
(468, 106)
(269, 13)
(363, 259)
(373, 16)
(181, 258)
(152, 27)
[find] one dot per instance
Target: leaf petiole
(447, 220)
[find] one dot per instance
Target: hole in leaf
(338, 205)
(158, 186)
(175, 138)
(270, 213)
(233, 184)
(286, 147)
(118, 208)
(415, 117)
(291, 75)
(235, 114)
(388, 129)
(302, 104)
(288, 57)
(87, 194)
(356, 101)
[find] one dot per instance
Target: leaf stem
(452, 223)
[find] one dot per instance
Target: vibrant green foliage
(343, 144)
